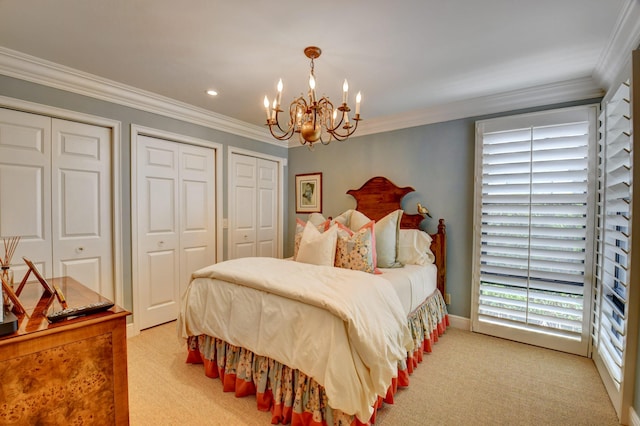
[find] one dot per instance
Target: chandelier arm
(337, 125)
(341, 137)
(284, 136)
(328, 107)
(274, 122)
(291, 129)
(327, 113)
(298, 104)
(341, 110)
(277, 123)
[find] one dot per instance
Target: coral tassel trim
(290, 395)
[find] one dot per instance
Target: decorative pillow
(387, 231)
(316, 219)
(343, 218)
(414, 247)
(357, 220)
(300, 224)
(318, 248)
(356, 250)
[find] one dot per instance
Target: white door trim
(116, 172)
(136, 131)
(282, 162)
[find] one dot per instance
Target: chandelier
(314, 120)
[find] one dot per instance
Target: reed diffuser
(10, 245)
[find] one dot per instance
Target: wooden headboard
(379, 196)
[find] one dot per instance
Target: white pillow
(387, 230)
(358, 220)
(318, 248)
(316, 218)
(343, 218)
(414, 247)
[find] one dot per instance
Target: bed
(318, 344)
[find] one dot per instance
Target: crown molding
(615, 57)
(624, 39)
(36, 70)
(549, 94)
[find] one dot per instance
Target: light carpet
(469, 379)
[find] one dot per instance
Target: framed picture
(309, 193)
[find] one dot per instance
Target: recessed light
(212, 93)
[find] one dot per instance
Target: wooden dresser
(70, 372)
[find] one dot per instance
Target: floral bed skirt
(290, 395)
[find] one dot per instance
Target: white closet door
(81, 205)
(158, 231)
(56, 194)
(242, 206)
(267, 214)
(197, 215)
(25, 182)
(176, 223)
(253, 207)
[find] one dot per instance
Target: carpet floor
(469, 379)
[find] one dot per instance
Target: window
(534, 227)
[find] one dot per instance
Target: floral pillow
(357, 250)
(386, 232)
(300, 224)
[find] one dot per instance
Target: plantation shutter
(614, 232)
(534, 228)
(615, 320)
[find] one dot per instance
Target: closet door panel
(197, 217)
(81, 204)
(176, 222)
(25, 179)
(267, 243)
(158, 230)
(243, 197)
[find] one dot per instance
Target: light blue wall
(437, 160)
(19, 89)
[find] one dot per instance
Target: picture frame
(33, 269)
(309, 193)
(49, 290)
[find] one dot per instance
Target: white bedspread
(413, 284)
(348, 333)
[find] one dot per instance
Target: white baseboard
(634, 420)
(131, 330)
(461, 323)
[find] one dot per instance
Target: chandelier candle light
(316, 120)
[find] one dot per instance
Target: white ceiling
(404, 56)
